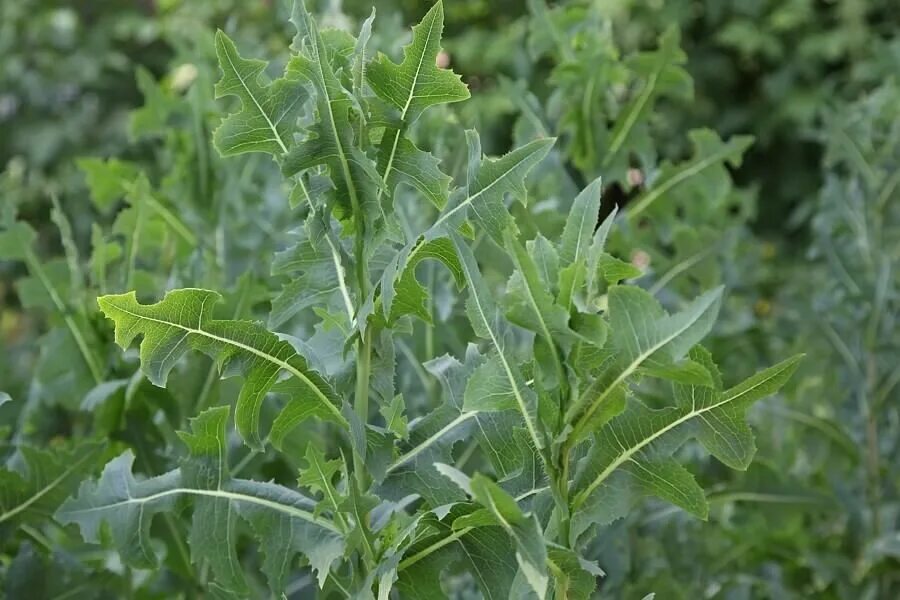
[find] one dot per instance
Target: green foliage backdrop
(296, 301)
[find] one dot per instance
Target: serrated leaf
(329, 142)
(183, 320)
(489, 181)
(35, 485)
(417, 82)
(266, 120)
(643, 335)
(279, 517)
(631, 455)
(486, 321)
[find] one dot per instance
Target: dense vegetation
(556, 300)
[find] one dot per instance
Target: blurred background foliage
(754, 144)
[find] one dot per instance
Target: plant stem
(361, 399)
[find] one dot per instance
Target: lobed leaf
(183, 320)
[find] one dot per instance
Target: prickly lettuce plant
(389, 469)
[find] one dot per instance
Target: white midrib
(532, 431)
(276, 361)
(336, 259)
(627, 454)
(44, 490)
(233, 496)
(409, 98)
(345, 166)
(463, 417)
(256, 102)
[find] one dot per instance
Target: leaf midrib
(232, 496)
(255, 101)
(628, 371)
(46, 489)
(729, 396)
(272, 359)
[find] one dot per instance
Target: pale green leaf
(183, 320)
(281, 518)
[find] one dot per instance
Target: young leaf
(500, 386)
(183, 320)
(266, 119)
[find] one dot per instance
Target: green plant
(563, 403)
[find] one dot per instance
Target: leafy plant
(565, 400)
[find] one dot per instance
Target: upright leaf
(269, 110)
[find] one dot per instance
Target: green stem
(361, 399)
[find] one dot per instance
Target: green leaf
(183, 320)
(417, 83)
(489, 181)
(405, 295)
(395, 419)
(663, 74)
(485, 551)
(282, 519)
(710, 153)
(644, 336)
(318, 477)
(107, 179)
(631, 455)
(318, 277)
(329, 142)
(525, 530)
(269, 110)
(504, 381)
(35, 485)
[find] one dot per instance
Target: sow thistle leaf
(407, 296)
(281, 518)
(501, 385)
(329, 140)
(34, 486)
(417, 83)
(269, 111)
(182, 320)
(409, 89)
(644, 337)
(488, 182)
(631, 454)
